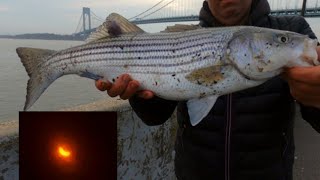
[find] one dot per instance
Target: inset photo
(68, 145)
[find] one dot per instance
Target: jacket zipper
(227, 136)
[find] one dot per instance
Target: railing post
(303, 10)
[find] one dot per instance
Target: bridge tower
(303, 10)
(86, 16)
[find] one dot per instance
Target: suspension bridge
(187, 10)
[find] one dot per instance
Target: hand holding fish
(304, 84)
(124, 86)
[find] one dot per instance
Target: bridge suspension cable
(78, 26)
(97, 17)
(158, 9)
(147, 10)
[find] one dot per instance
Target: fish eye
(283, 39)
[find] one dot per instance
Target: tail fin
(32, 59)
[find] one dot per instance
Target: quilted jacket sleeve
(311, 115)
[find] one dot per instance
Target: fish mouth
(310, 54)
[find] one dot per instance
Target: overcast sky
(62, 16)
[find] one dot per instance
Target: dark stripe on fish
(138, 54)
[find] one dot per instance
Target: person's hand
(304, 84)
(124, 86)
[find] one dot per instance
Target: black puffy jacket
(247, 135)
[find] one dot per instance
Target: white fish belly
(172, 87)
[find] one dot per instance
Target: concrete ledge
(147, 152)
(143, 152)
(9, 150)
(9, 128)
(9, 157)
(102, 105)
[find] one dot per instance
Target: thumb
(103, 85)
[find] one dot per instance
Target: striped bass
(196, 65)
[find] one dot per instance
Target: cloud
(3, 8)
(61, 16)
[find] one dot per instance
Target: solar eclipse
(68, 145)
(63, 153)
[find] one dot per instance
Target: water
(65, 92)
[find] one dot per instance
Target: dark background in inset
(92, 136)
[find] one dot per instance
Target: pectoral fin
(199, 108)
(90, 75)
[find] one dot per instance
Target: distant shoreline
(45, 36)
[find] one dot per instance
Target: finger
(119, 85)
(313, 101)
(146, 94)
(131, 89)
(304, 88)
(309, 75)
(304, 96)
(102, 85)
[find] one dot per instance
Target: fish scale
(188, 57)
(147, 46)
(196, 66)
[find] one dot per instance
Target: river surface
(65, 92)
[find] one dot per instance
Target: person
(247, 134)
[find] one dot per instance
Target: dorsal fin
(114, 25)
(181, 28)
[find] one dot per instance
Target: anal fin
(199, 108)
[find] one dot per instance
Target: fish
(196, 65)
